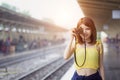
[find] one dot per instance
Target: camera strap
(75, 54)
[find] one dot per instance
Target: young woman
(88, 52)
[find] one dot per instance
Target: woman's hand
(79, 30)
(75, 32)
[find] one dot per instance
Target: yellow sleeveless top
(92, 57)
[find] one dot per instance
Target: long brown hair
(88, 22)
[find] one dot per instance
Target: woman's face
(86, 32)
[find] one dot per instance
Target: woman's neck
(87, 41)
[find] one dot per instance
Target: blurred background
(34, 34)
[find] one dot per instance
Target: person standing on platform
(88, 52)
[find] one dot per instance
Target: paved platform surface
(111, 64)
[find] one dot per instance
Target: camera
(79, 30)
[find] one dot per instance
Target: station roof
(7, 14)
(100, 10)
(10, 16)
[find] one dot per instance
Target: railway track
(59, 71)
(52, 71)
(19, 66)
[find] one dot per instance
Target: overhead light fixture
(115, 14)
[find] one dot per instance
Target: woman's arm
(71, 45)
(69, 49)
(101, 62)
(102, 67)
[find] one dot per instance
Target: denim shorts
(95, 76)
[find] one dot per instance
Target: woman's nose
(84, 31)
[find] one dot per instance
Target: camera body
(79, 30)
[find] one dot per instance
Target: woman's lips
(85, 35)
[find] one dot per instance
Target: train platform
(68, 75)
(111, 64)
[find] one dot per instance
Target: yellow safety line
(8, 72)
